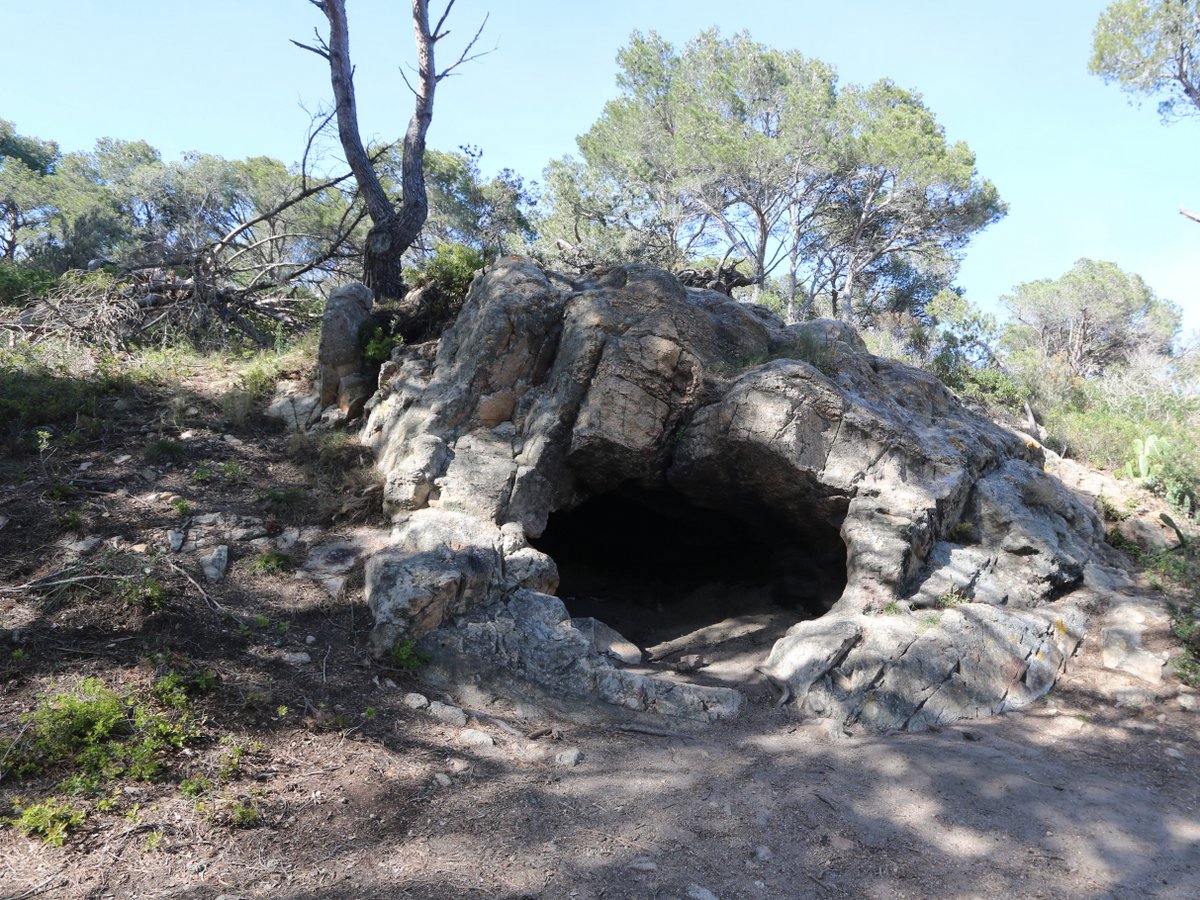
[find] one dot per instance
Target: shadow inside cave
(675, 578)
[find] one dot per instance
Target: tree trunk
(392, 231)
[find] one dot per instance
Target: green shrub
(51, 821)
(405, 656)
(451, 268)
(20, 284)
(377, 344)
(272, 562)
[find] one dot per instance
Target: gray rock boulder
(340, 351)
(870, 486)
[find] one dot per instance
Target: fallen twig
(646, 729)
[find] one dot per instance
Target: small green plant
(1109, 511)
(405, 656)
(147, 593)
(272, 562)
(951, 598)
(196, 787)
(203, 472)
(377, 344)
(60, 492)
(165, 450)
(153, 842)
(231, 470)
(235, 755)
(281, 711)
(181, 506)
(369, 714)
(243, 814)
(892, 608)
(961, 533)
(71, 521)
(815, 350)
(18, 655)
(928, 621)
(51, 820)
(261, 621)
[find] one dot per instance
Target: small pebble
(569, 758)
(311, 639)
(642, 864)
(451, 715)
(442, 779)
(1173, 753)
(416, 701)
(297, 658)
(695, 892)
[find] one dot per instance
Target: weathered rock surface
(875, 488)
(340, 351)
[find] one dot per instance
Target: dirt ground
(1092, 793)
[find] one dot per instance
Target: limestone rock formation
(930, 566)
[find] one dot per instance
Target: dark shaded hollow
(655, 566)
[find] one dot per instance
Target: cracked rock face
(964, 563)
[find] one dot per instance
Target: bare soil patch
(340, 789)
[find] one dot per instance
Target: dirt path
(352, 793)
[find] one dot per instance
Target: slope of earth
(316, 772)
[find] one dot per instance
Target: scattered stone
(473, 737)
(149, 474)
(416, 701)
(389, 684)
(310, 639)
(84, 546)
(215, 564)
(690, 663)
(123, 458)
(763, 853)
(84, 466)
(295, 403)
(442, 779)
(297, 658)
(288, 538)
(695, 892)
(458, 766)
(568, 759)
(1173, 753)
(607, 640)
(451, 715)
(1121, 649)
(837, 842)
(3, 521)
(1190, 702)
(642, 864)
(140, 548)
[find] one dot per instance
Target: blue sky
(1084, 172)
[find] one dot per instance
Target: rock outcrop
(935, 569)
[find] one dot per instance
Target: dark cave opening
(655, 566)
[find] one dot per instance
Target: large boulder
(957, 563)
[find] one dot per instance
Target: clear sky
(1084, 172)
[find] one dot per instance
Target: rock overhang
(547, 393)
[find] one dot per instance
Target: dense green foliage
(853, 194)
(1152, 47)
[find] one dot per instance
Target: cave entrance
(674, 577)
